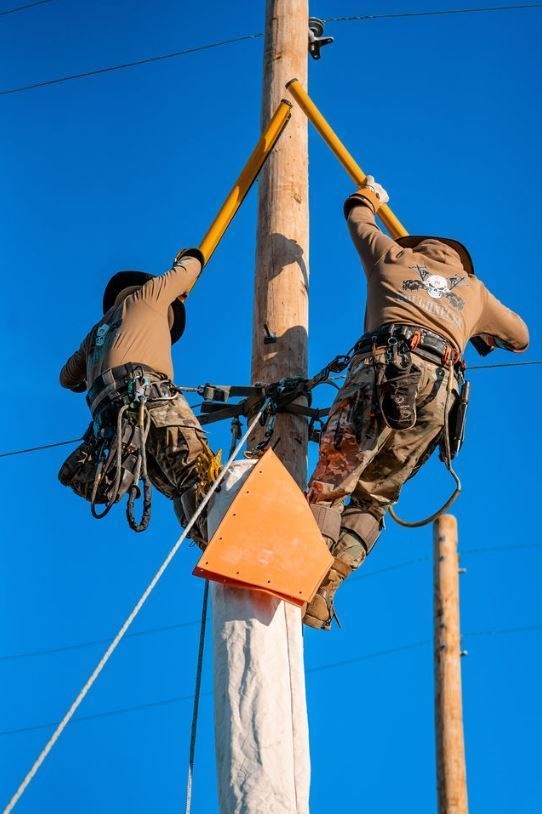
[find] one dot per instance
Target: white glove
(377, 188)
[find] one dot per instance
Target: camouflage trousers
(363, 459)
(180, 463)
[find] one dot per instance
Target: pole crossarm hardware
(248, 175)
(390, 221)
(280, 397)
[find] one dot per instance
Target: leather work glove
(370, 193)
(189, 253)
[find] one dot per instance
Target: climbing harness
(112, 460)
(397, 381)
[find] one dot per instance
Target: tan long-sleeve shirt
(428, 287)
(136, 331)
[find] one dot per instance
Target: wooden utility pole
(451, 771)
(261, 726)
(282, 253)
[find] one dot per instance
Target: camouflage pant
(362, 458)
(179, 461)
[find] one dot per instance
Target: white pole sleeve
(261, 726)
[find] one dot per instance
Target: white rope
(112, 647)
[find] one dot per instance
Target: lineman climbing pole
(451, 771)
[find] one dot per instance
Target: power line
(117, 711)
(504, 632)
(444, 12)
(425, 642)
(23, 8)
(36, 449)
(409, 563)
(122, 66)
(191, 623)
(75, 440)
(503, 364)
(500, 548)
(81, 645)
(318, 668)
(243, 38)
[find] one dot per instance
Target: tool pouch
(85, 464)
(79, 469)
(457, 419)
(396, 391)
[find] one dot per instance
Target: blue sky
(121, 170)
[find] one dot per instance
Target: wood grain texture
(451, 770)
(282, 254)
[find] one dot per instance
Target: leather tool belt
(421, 341)
(119, 385)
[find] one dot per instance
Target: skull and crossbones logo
(436, 285)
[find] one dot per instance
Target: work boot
(185, 506)
(319, 613)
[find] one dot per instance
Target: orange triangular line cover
(268, 539)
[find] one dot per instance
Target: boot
(184, 507)
(319, 613)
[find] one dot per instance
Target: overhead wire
(423, 643)
(94, 642)
(504, 364)
(75, 440)
(133, 64)
(316, 669)
(36, 449)
(254, 36)
(437, 13)
(363, 574)
(23, 8)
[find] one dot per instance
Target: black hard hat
(125, 279)
(411, 241)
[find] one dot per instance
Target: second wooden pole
(451, 770)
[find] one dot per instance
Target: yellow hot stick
(250, 172)
(390, 221)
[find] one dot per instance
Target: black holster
(457, 419)
(397, 387)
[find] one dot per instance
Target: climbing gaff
(248, 175)
(268, 539)
(390, 221)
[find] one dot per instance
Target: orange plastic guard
(268, 539)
